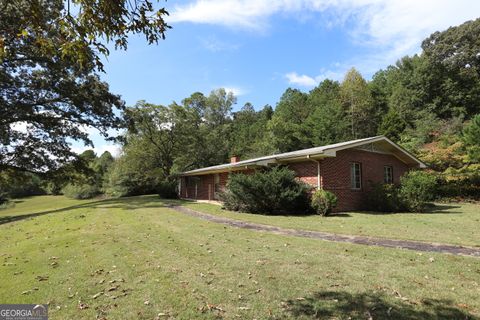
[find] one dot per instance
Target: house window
(356, 175)
(387, 174)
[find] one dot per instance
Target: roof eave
(299, 156)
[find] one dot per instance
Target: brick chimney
(234, 159)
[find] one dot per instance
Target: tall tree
(327, 124)
(85, 26)
(287, 124)
(211, 143)
(49, 88)
(455, 53)
(457, 48)
(249, 129)
(159, 134)
(358, 103)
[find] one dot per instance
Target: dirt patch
(370, 241)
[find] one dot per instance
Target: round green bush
(167, 189)
(323, 202)
(417, 188)
(384, 198)
(270, 191)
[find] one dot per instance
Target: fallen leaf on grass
(99, 271)
(95, 296)
(27, 292)
(82, 306)
(122, 294)
(117, 280)
(146, 302)
(41, 278)
(162, 314)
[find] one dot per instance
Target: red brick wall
(335, 174)
(306, 171)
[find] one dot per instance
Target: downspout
(179, 187)
(318, 172)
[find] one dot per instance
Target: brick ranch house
(347, 169)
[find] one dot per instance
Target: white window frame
(388, 174)
(356, 176)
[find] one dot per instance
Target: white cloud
(311, 81)
(243, 14)
(300, 80)
(237, 91)
(389, 28)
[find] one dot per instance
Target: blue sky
(259, 48)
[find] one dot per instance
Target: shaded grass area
(370, 305)
(443, 223)
(134, 258)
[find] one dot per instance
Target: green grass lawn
(445, 223)
(134, 258)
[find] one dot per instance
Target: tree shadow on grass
(430, 209)
(371, 305)
(128, 203)
(442, 208)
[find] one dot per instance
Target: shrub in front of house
(271, 191)
(80, 191)
(167, 189)
(385, 198)
(417, 188)
(323, 202)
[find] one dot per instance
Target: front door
(216, 186)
